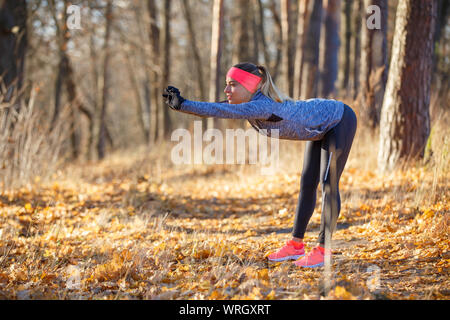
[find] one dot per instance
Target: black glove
(173, 98)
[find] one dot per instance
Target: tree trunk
(156, 88)
(440, 44)
(196, 53)
(165, 121)
(311, 55)
(286, 57)
(261, 30)
(105, 88)
(373, 66)
(331, 49)
(242, 51)
(145, 83)
(344, 51)
(62, 67)
(405, 120)
(62, 39)
(275, 68)
(194, 47)
(76, 105)
(135, 85)
(93, 132)
(300, 45)
(255, 30)
(355, 48)
(141, 84)
(93, 101)
(65, 77)
(13, 44)
(216, 52)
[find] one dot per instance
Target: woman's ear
(261, 70)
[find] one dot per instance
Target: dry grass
(29, 151)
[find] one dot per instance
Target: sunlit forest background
(92, 207)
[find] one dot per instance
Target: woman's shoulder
(261, 98)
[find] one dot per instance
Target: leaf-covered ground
(136, 227)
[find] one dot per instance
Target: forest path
(137, 230)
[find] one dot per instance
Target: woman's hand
(173, 98)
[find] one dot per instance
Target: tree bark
(242, 51)
(275, 68)
(13, 45)
(286, 57)
(344, 51)
(405, 120)
(300, 46)
(216, 52)
(255, 30)
(331, 50)
(355, 48)
(62, 39)
(194, 47)
(105, 88)
(165, 121)
(440, 66)
(65, 78)
(310, 73)
(135, 85)
(261, 30)
(196, 53)
(76, 105)
(373, 65)
(141, 85)
(93, 132)
(156, 88)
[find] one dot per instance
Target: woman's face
(236, 93)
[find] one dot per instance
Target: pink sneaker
(291, 250)
(313, 259)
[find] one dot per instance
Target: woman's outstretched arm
(256, 109)
(259, 108)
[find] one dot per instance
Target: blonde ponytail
(268, 87)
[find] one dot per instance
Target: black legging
(318, 162)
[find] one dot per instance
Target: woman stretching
(327, 125)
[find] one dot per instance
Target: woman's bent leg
(339, 139)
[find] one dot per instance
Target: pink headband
(247, 79)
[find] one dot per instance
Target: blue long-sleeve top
(296, 120)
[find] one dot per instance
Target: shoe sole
(312, 266)
(287, 258)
